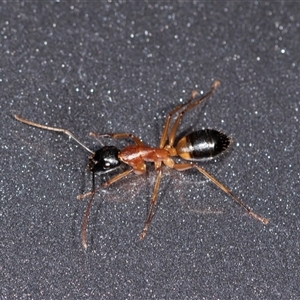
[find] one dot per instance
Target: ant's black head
(104, 159)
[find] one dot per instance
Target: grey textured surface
(121, 66)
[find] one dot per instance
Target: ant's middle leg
(152, 204)
(169, 117)
(187, 166)
(118, 136)
(190, 106)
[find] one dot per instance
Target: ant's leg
(85, 221)
(86, 215)
(168, 119)
(189, 107)
(106, 184)
(67, 132)
(89, 205)
(183, 167)
(152, 204)
(118, 136)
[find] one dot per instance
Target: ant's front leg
(118, 136)
(106, 184)
(89, 205)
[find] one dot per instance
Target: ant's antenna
(67, 132)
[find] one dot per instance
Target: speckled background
(121, 66)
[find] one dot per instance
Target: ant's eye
(105, 159)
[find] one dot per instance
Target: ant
(197, 146)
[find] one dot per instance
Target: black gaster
(202, 144)
(104, 160)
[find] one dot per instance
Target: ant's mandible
(196, 146)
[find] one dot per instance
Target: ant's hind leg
(183, 167)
